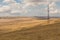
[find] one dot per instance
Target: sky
(29, 7)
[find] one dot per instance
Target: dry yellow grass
(9, 25)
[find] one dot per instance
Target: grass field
(30, 29)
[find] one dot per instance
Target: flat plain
(29, 29)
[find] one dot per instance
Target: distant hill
(38, 17)
(44, 17)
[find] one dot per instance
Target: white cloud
(12, 6)
(52, 8)
(52, 5)
(55, 0)
(4, 8)
(17, 8)
(8, 1)
(21, 8)
(34, 2)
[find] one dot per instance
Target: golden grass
(47, 32)
(17, 32)
(9, 25)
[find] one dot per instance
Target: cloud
(4, 9)
(52, 5)
(28, 3)
(35, 1)
(52, 8)
(9, 1)
(55, 0)
(13, 7)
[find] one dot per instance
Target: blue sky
(29, 7)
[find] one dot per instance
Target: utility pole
(48, 14)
